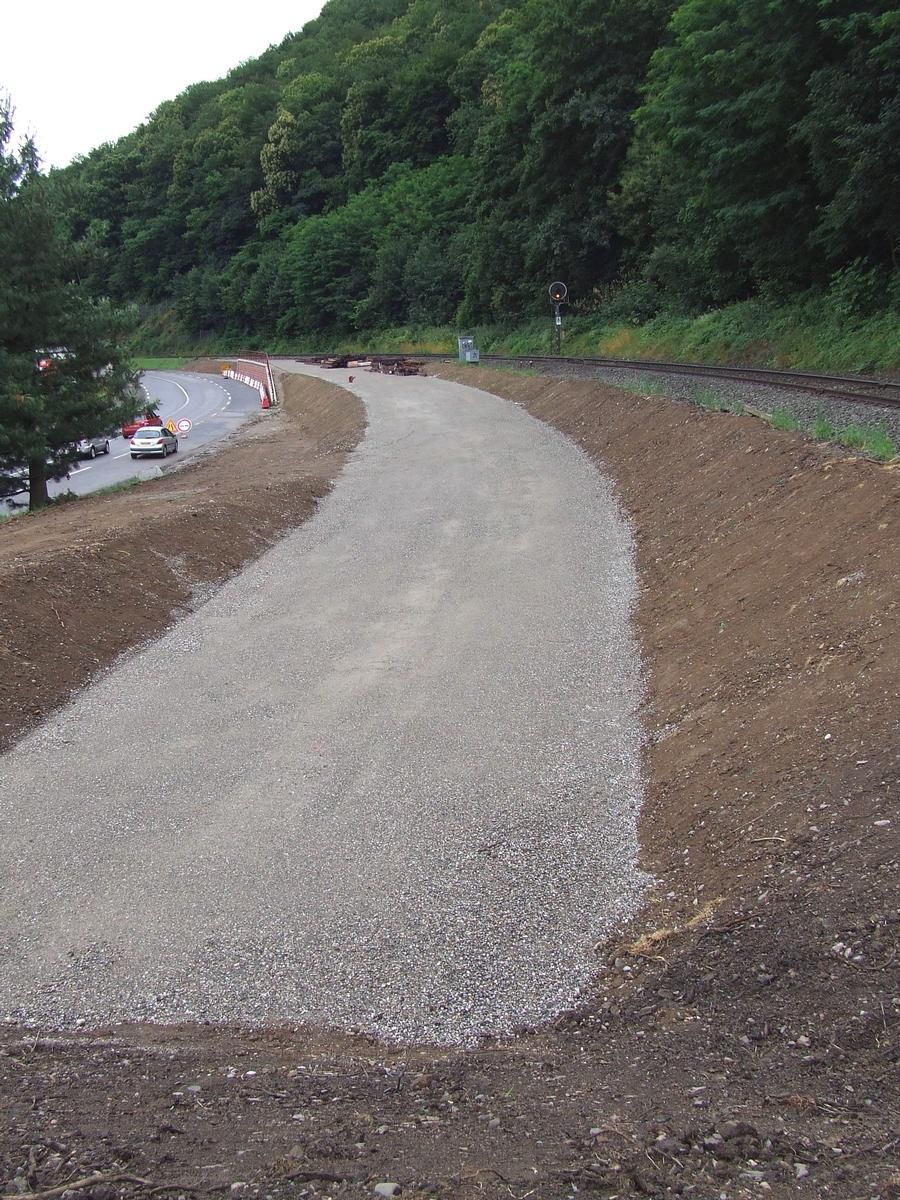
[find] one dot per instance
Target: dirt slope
(85, 581)
(742, 1039)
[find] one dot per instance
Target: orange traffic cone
(264, 401)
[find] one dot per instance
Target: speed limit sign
(185, 425)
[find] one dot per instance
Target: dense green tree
(730, 194)
(301, 159)
(852, 132)
(766, 151)
(557, 108)
(327, 265)
(63, 373)
(417, 272)
(411, 160)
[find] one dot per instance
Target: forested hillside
(427, 161)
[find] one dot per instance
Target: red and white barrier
(255, 372)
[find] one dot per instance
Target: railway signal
(558, 293)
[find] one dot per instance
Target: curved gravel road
(386, 779)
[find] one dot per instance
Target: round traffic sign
(185, 425)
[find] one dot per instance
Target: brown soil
(742, 1039)
(87, 580)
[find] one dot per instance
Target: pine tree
(63, 372)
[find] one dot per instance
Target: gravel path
(387, 778)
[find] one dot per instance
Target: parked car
(129, 428)
(153, 439)
(47, 359)
(13, 483)
(91, 447)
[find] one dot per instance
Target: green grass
(809, 333)
(822, 429)
(812, 332)
(780, 418)
(875, 442)
(708, 398)
(653, 387)
(817, 331)
(122, 486)
(158, 364)
(642, 385)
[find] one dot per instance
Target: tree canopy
(415, 161)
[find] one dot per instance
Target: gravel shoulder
(742, 1032)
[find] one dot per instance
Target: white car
(153, 439)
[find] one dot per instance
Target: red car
(129, 428)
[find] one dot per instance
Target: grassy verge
(877, 443)
(158, 364)
(873, 441)
(780, 418)
(122, 486)
(814, 332)
(807, 335)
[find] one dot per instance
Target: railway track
(857, 389)
(854, 389)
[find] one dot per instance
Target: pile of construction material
(383, 365)
(340, 362)
(396, 366)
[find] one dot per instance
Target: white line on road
(187, 398)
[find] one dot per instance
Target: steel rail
(858, 389)
(855, 389)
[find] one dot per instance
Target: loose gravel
(387, 779)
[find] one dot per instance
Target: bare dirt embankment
(743, 1033)
(87, 580)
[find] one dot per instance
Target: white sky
(81, 74)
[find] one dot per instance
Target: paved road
(387, 778)
(215, 406)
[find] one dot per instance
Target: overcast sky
(80, 74)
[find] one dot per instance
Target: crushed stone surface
(386, 779)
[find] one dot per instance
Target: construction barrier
(256, 374)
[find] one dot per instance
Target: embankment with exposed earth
(743, 1032)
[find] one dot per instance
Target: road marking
(125, 455)
(187, 398)
(78, 470)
